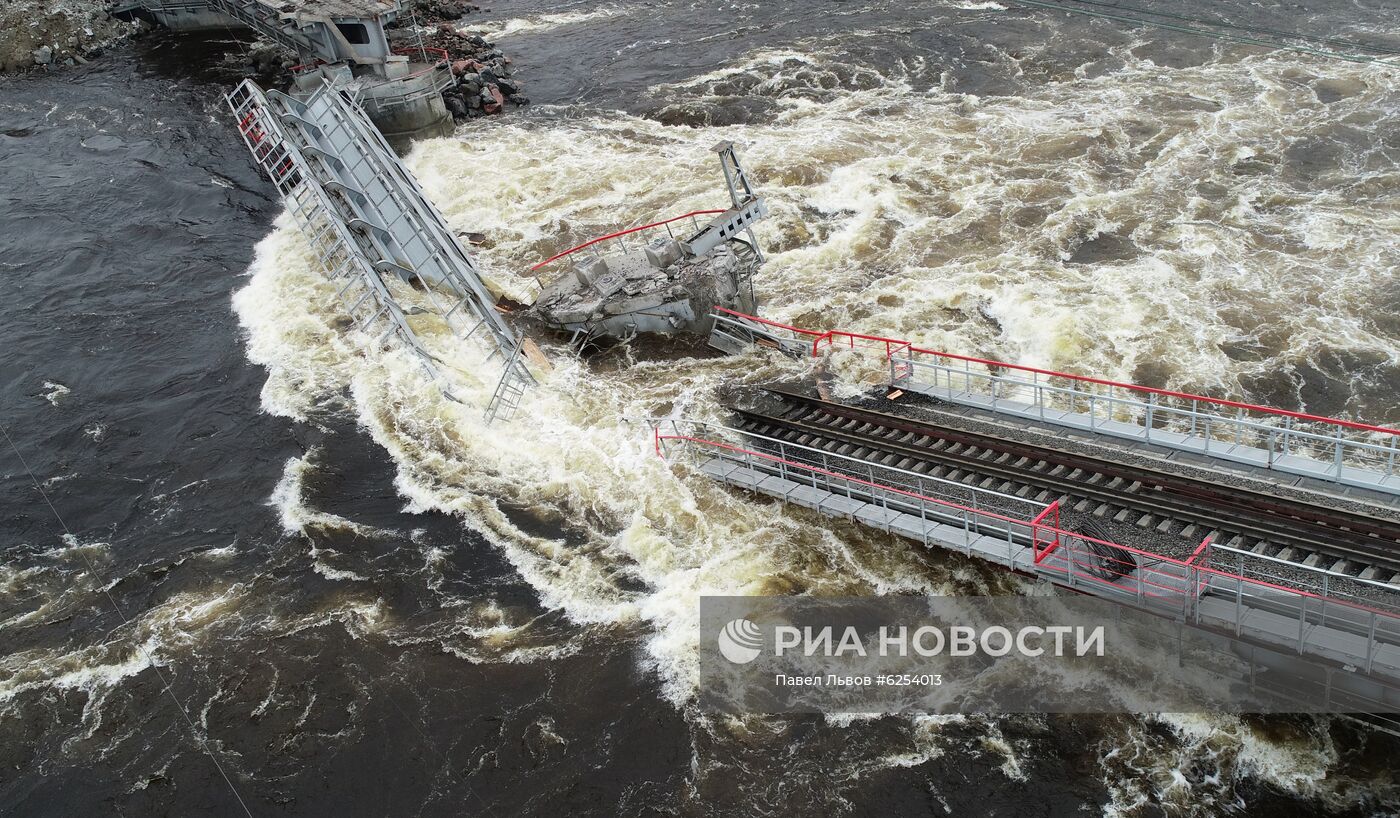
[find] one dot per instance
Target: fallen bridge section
(327, 30)
(367, 220)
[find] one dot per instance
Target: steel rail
(1354, 537)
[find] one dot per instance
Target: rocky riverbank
(42, 34)
(39, 34)
(484, 82)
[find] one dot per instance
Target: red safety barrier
(1076, 570)
(440, 53)
(1051, 512)
(621, 233)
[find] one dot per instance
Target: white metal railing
(1283, 441)
(1332, 449)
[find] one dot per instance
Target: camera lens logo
(741, 641)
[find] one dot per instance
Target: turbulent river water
(369, 603)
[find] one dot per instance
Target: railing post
(1302, 622)
(1338, 457)
(1371, 643)
(1147, 423)
(1239, 594)
(1325, 596)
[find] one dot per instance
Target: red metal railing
(1051, 512)
(1150, 580)
(310, 66)
(619, 234)
(423, 53)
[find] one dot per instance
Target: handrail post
(1239, 595)
(1371, 643)
(1325, 596)
(1302, 622)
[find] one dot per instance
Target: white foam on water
(1147, 769)
(538, 23)
(55, 392)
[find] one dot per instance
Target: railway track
(1163, 503)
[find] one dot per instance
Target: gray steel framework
(365, 217)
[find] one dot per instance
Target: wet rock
(488, 76)
(508, 87)
(491, 100)
(519, 99)
(456, 105)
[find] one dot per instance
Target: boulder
(455, 105)
(491, 100)
(43, 55)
